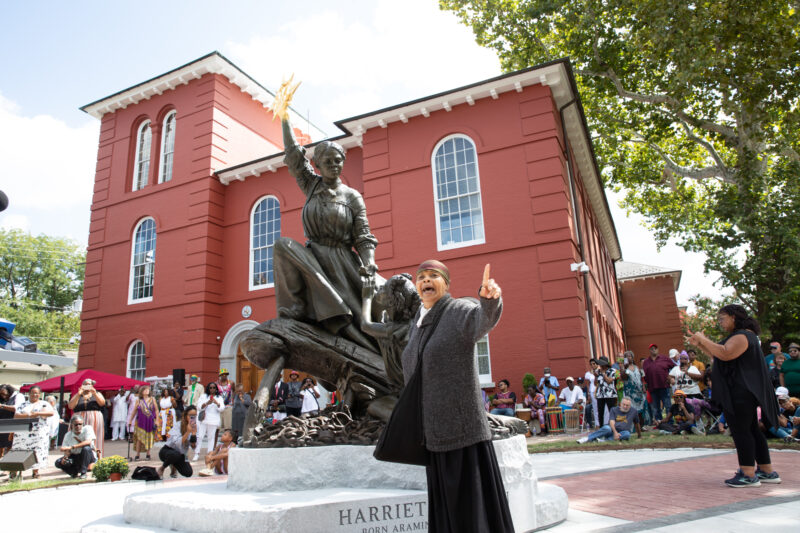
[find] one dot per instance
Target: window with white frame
(482, 360)
(143, 261)
(136, 361)
(167, 147)
(141, 169)
(457, 191)
(265, 229)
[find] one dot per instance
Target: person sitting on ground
(78, 448)
(680, 417)
(217, 460)
(621, 420)
(182, 439)
(534, 401)
(790, 408)
(504, 402)
(571, 396)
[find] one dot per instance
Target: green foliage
(40, 278)
(527, 380)
(695, 110)
(704, 319)
(104, 467)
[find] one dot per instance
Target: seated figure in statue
(320, 282)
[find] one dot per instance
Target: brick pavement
(655, 491)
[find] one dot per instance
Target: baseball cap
(679, 392)
(570, 378)
(194, 376)
(781, 391)
(652, 345)
(223, 371)
(294, 372)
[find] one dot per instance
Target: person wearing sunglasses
(78, 448)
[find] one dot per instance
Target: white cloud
(48, 172)
(408, 50)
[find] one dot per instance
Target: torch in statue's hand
(280, 105)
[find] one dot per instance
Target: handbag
(403, 438)
(202, 415)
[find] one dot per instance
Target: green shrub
(527, 380)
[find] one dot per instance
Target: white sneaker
(206, 472)
(196, 457)
(582, 440)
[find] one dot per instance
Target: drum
(571, 421)
(555, 419)
(524, 414)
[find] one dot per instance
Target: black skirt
(466, 493)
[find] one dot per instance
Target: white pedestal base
(336, 489)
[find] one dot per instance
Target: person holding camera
(90, 403)
(78, 448)
(182, 438)
(310, 397)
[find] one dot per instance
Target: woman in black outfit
(465, 487)
(182, 438)
(741, 383)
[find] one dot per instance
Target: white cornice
(213, 63)
(555, 75)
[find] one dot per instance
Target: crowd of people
(185, 418)
(671, 394)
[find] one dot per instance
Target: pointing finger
(486, 274)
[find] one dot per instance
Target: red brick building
(191, 191)
(649, 309)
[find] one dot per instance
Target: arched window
(141, 169)
(265, 229)
(143, 261)
(136, 361)
(167, 147)
(459, 215)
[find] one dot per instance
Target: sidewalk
(610, 491)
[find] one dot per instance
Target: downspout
(578, 228)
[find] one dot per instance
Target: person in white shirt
(571, 396)
(78, 448)
(686, 377)
(211, 405)
(590, 376)
(310, 397)
(119, 414)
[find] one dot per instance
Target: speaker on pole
(179, 375)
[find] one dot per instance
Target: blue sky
(353, 57)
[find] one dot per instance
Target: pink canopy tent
(73, 381)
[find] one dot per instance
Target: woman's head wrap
(436, 266)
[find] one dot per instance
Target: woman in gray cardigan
(465, 490)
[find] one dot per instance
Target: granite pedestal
(337, 489)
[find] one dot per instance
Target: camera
(193, 439)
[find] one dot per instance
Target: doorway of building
(247, 374)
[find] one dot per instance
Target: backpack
(145, 473)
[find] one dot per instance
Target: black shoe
(772, 477)
(739, 480)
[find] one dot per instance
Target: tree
(40, 278)
(696, 112)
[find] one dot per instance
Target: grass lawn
(16, 485)
(650, 439)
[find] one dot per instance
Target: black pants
(602, 403)
(171, 457)
(293, 411)
(79, 462)
(751, 444)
